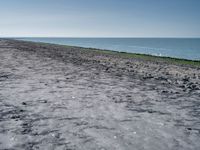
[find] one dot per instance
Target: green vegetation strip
(147, 57)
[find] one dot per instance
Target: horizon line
(93, 37)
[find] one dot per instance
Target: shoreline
(168, 59)
(141, 65)
(65, 97)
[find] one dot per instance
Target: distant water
(187, 48)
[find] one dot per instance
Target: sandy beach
(63, 97)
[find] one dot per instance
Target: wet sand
(57, 97)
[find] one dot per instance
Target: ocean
(186, 48)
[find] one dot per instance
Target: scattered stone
(182, 86)
(169, 81)
(147, 77)
(24, 103)
(150, 111)
(189, 128)
(15, 117)
(186, 79)
(4, 76)
(25, 124)
(107, 68)
(128, 95)
(194, 76)
(193, 87)
(161, 78)
(26, 131)
(164, 91)
(138, 102)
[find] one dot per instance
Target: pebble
(45, 101)
(24, 103)
(15, 117)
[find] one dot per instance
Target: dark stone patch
(24, 103)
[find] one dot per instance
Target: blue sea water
(187, 48)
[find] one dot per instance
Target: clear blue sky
(100, 18)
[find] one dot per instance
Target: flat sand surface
(68, 98)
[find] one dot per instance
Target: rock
(193, 86)
(107, 68)
(150, 111)
(182, 86)
(161, 78)
(128, 96)
(4, 76)
(164, 91)
(186, 79)
(169, 81)
(15, 117)
(24, 103)
(194, 76)
(147, 76)
(189, 128)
